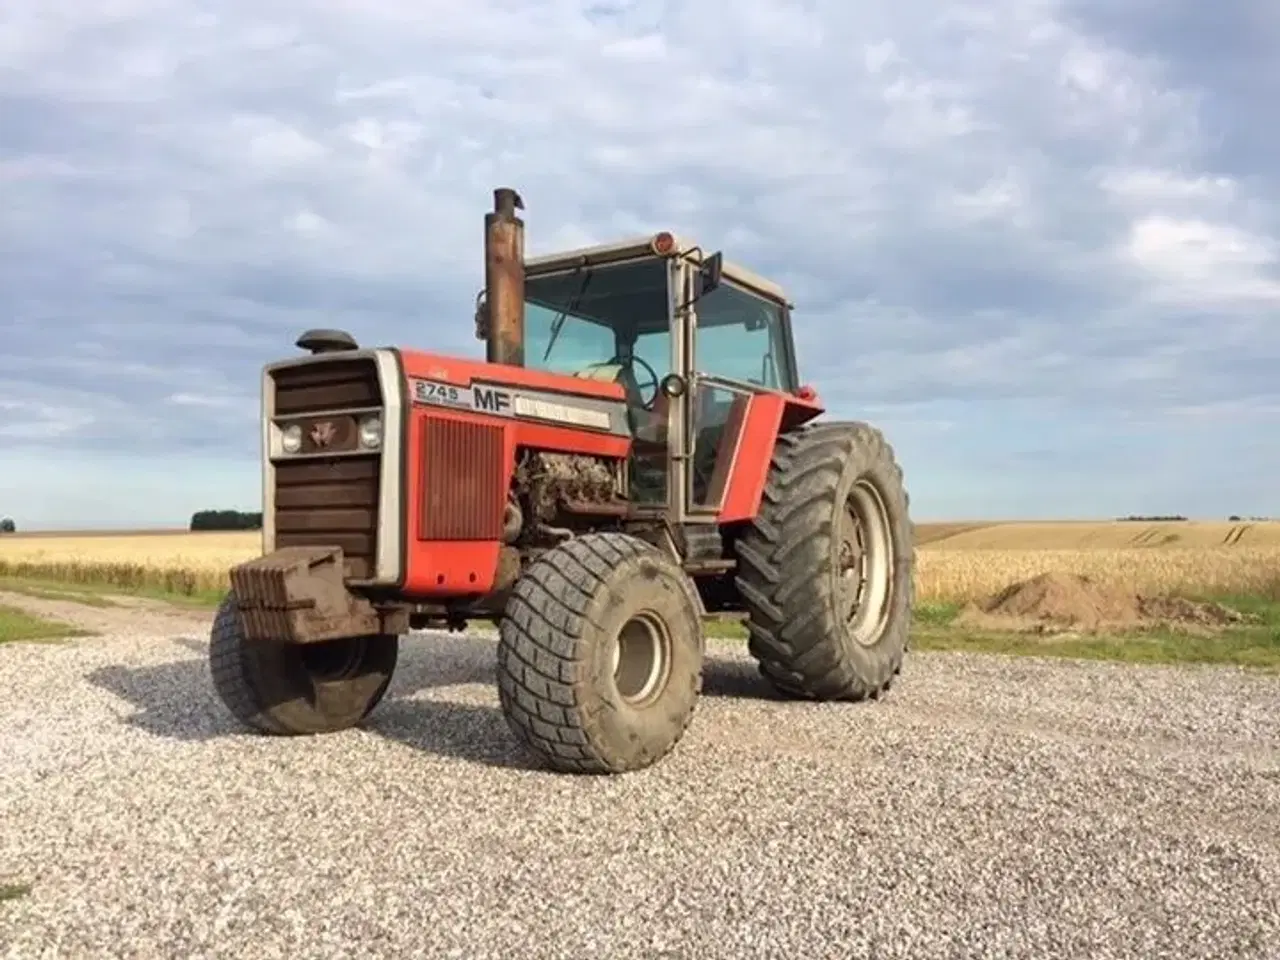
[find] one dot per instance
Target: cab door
(740, 345)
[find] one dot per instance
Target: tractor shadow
(735, 678)
(177, 701)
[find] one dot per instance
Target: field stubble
(955, 562)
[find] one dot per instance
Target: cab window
(579, 318)
(742, 336)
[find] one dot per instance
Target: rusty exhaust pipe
(504, 279)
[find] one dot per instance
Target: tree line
(226, 520)
(1162, 519)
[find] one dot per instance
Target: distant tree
(1233, 519)
(8, 526)
(1140, 519)
(225, 520)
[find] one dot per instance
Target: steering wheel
(653, 375)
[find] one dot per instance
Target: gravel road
(986, 808)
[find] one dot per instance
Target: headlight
(371, 432)
(291, 438)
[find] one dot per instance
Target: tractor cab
(690, 338)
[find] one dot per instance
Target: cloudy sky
(1036, 241)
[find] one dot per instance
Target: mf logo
(322, 433)
(491, 399)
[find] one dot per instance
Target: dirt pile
(1060, 602)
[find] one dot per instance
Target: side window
(741, 336)
(579, 344)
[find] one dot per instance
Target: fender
(767, 415)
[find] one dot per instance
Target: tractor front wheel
(292, 689)
(825, 572)
(600, 655)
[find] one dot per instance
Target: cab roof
(643, 246)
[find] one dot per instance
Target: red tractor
(635, 454)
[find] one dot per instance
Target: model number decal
(432, 391)
(507, 403)
(484, 399)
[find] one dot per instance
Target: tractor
(635, 455)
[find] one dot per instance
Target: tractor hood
(501, 390)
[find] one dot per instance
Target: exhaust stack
(504, 279)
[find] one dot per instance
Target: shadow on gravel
(736, 678)
(196, 645)
(174, 700)
(476, 733)
(177, 701)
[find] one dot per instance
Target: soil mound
(1179, 610)
(1061, 602)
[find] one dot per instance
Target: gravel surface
(986, 808)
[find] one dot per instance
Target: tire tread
(792, 628)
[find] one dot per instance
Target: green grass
(200, 600)
(935, 613)
(1233, 646)
(16, 625)
(50, 590)
(1265, 609)
(14, 891)
(99, 595)
(725, 628)
(1254, 645)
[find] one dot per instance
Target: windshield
(578, 319)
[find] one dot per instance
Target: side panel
(435, 488)
(458, 467)
(767, 415)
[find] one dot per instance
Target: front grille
(330, 500)
(463, 487)
(333, 385)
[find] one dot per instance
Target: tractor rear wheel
(600, 655)
(293, 689)
(825, 571)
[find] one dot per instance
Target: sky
(1036, 242)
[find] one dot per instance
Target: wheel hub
(641, 659)
(865, 563)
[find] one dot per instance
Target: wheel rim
(866, 563)
(641, 659)
(332, 660)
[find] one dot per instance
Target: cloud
(1036, 241)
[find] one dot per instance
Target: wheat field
(954, 562)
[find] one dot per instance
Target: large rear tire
(294, 689)
(825, 571)
(600, 655)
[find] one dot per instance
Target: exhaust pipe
(504, 279)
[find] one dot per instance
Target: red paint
(449, 569)
(768, 414)
(755, 449)
(430, 366)
(456, 568)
